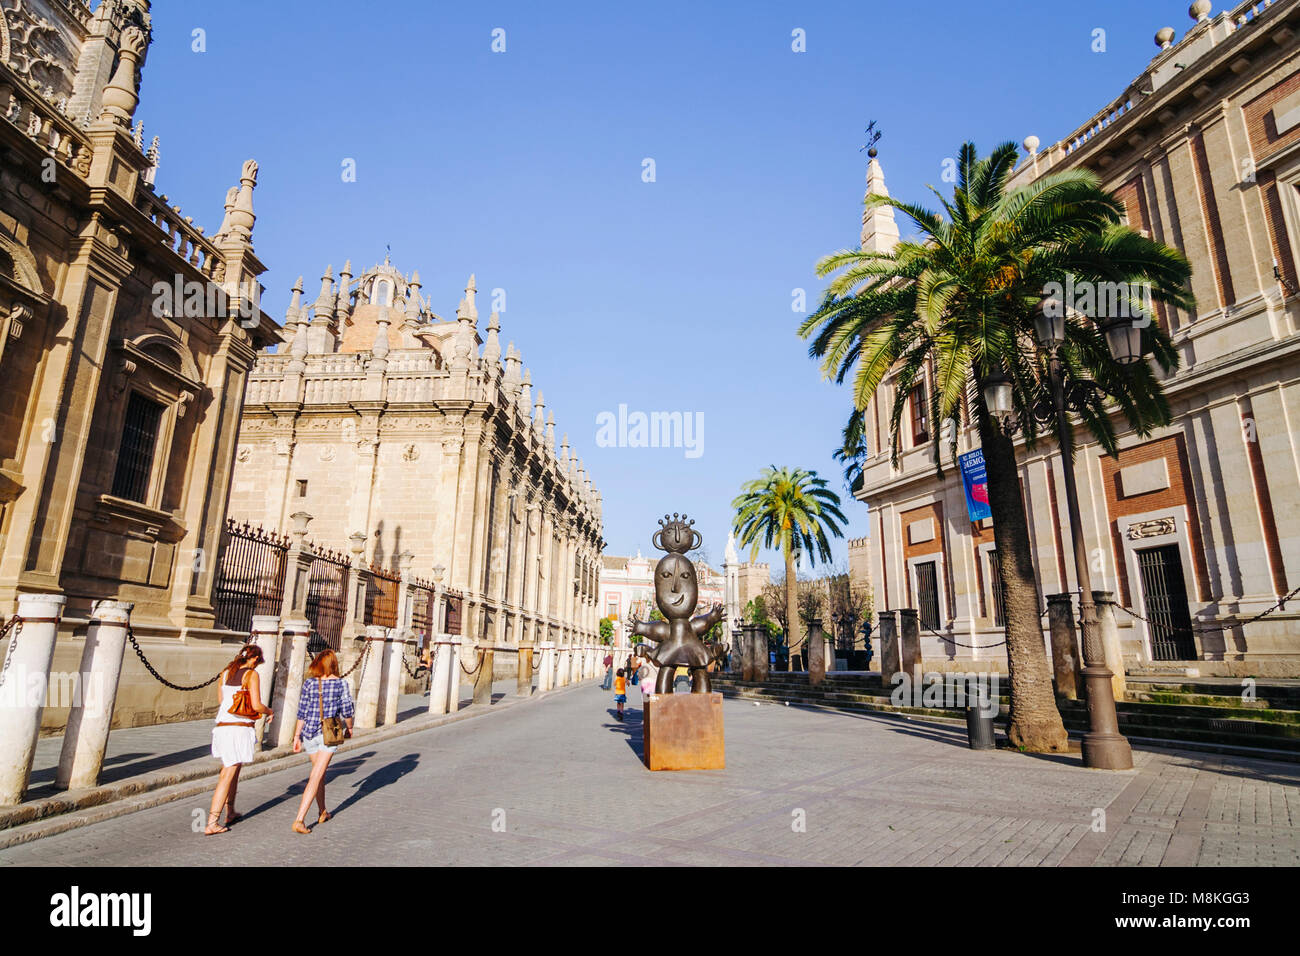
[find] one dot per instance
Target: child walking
(620, 692)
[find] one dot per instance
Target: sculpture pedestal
(683, 732)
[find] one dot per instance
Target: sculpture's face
(676, 589)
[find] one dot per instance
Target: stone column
(562, 664)
(1105, 602)
(372, 678)
(290, 665)
(524, 680)
(483, 676)
(27, 664)
(909, 644)
(440, 675)
(265, 629)
(758, 648)
(890, 659)
(815, 648)
(1065, 655)
(828, 652)
(746, 651)
(89, 719)
(546, 668)
(454, 672)
(391, 685)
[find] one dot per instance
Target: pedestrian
(620, 692)
(609, 671)
(234, 737)
(325, 696)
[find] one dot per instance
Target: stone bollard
(1105, 601)
(350, 651)
(546, 667)
(524, 676)
(26, 665)
(746, 652)
(814, 647)
(91, 716)
(909, 645)
(391, 685)
(438, 674)
(483, 675)
(828, 654)
(757, 644)
(1065, 657)
(454, 672)
(290, 666)
(562, 654)
(890, 659)
(265, 629)
(372, 680)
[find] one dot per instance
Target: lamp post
(1104, 747)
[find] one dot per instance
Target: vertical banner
(976, 482)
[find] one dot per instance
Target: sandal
(212, 822)
(325, 815)
(300, 827)
(232, 817)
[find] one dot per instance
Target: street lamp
(1104, 747)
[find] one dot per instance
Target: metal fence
(381, 597)
(250, 575)
(327, 598)
(453, 605)
(421, 597)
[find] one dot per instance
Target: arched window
(382, 293)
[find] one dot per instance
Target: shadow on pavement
(629, 727)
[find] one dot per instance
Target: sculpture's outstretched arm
(655, 630)
(702, 623)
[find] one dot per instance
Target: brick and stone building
(421, 437)
(126, 335)
(1196, 528)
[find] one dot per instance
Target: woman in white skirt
(233, 736)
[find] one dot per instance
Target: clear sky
(525, 167)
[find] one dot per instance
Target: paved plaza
(561, 783)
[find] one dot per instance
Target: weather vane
(873, 137)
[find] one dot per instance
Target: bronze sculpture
(677, 593)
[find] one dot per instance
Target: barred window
(135, 455)
(920, 416)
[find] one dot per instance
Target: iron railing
(327, 599)
(250, 575)
(381, 597)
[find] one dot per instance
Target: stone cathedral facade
(384, 420)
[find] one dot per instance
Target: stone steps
(1214, 722)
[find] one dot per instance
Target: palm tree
(960, 300)
(788, 509)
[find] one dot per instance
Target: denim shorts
(313, 744)
(620, 698)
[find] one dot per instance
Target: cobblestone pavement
(561, 783)
(135, 750)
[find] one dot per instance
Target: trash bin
(979, 729)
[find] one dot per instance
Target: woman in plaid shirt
(324, 694)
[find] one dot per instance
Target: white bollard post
(90, 717)
(367, 708)
(440, 677)
(23, 686)
(291, 664)
(546, 668)
(454, 672)
(265, 629)
(394, 649)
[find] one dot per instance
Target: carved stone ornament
(326, 453)
(244, 453)
(411, 453)
(1151, 529)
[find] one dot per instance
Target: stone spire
(341, 304)
(380, 347)
(526, 393)
(492, 346)
(466, 328)
(231, 195)
(539, 414)
(120, 96)
(564, 452)
(731, 557)
(296, 315)
(242, 217)
(550, 429)
(512, 370)
(879, 230)
(413, 287)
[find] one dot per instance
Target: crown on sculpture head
(675, 535)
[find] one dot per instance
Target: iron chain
(14, 624)
(130, 633)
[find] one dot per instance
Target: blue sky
(525, 168)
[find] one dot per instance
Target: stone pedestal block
(291, 664)
(1066, 665)
(887, 630)
(909, 645)
(683, 732)
(1105, 601)
(483, 676)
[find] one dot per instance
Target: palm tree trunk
(791, 607)
(1035, 722)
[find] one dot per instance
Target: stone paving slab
(563, 784)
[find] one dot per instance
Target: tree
(606, 630)
(788, 509)
(959, 301)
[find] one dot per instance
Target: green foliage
(606, 630)
(961, 298)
